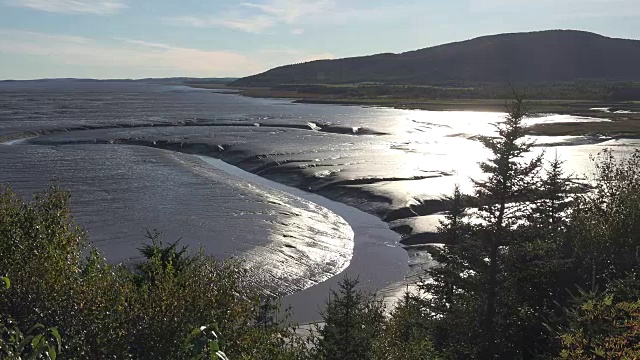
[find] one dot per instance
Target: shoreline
(345, 194)
(213, 150)
(625, 118)
(376, 247)
(342, 193)
(377, 258)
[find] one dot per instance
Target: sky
(223, 38)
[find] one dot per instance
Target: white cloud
(290, 11)
(97, 7)
(257, 17)
(561, 9)
(128, 54)
(252, 24)
(283, 56)
(138, 58)
(320, 56)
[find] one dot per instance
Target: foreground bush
(355, 327)
(35, 343)
(511, 269)
(604, 325)
(111, 311)
(174, 304)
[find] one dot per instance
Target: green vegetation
(532, 267)
(352, 322)
(604, 325)
(509, 270)
(36, 343)
(111, 311)
(616, 93)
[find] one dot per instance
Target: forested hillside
(546, 56)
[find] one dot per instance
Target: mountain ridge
(540, 56)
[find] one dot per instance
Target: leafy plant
(602, 328)
(104, 310)
(35, 343)
(206, 342)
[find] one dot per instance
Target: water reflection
(398, 163)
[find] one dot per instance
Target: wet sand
(378, 262)
(122, 147)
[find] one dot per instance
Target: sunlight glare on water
(102, 138)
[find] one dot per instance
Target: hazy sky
(206, 38)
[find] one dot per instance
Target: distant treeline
(595, 91)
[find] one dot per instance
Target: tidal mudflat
(135, 157)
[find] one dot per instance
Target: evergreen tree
(454, 230)
(452, 285)
(407, 332)
(551, 206)
(352, 321)
(267, 313)
(465, 286)
(503, 195)
(537, 267)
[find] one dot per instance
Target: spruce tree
(550, 207)
(452, 284)
(464, 287)
(536, 267)
(352, 321)
(503, 195)
(407, 333)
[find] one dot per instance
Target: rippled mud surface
(120, 191)
(125, 150)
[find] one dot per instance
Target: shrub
(35, 343)
(352, 321)
(112, 311)
(604, 325)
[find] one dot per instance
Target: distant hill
(534, 57)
